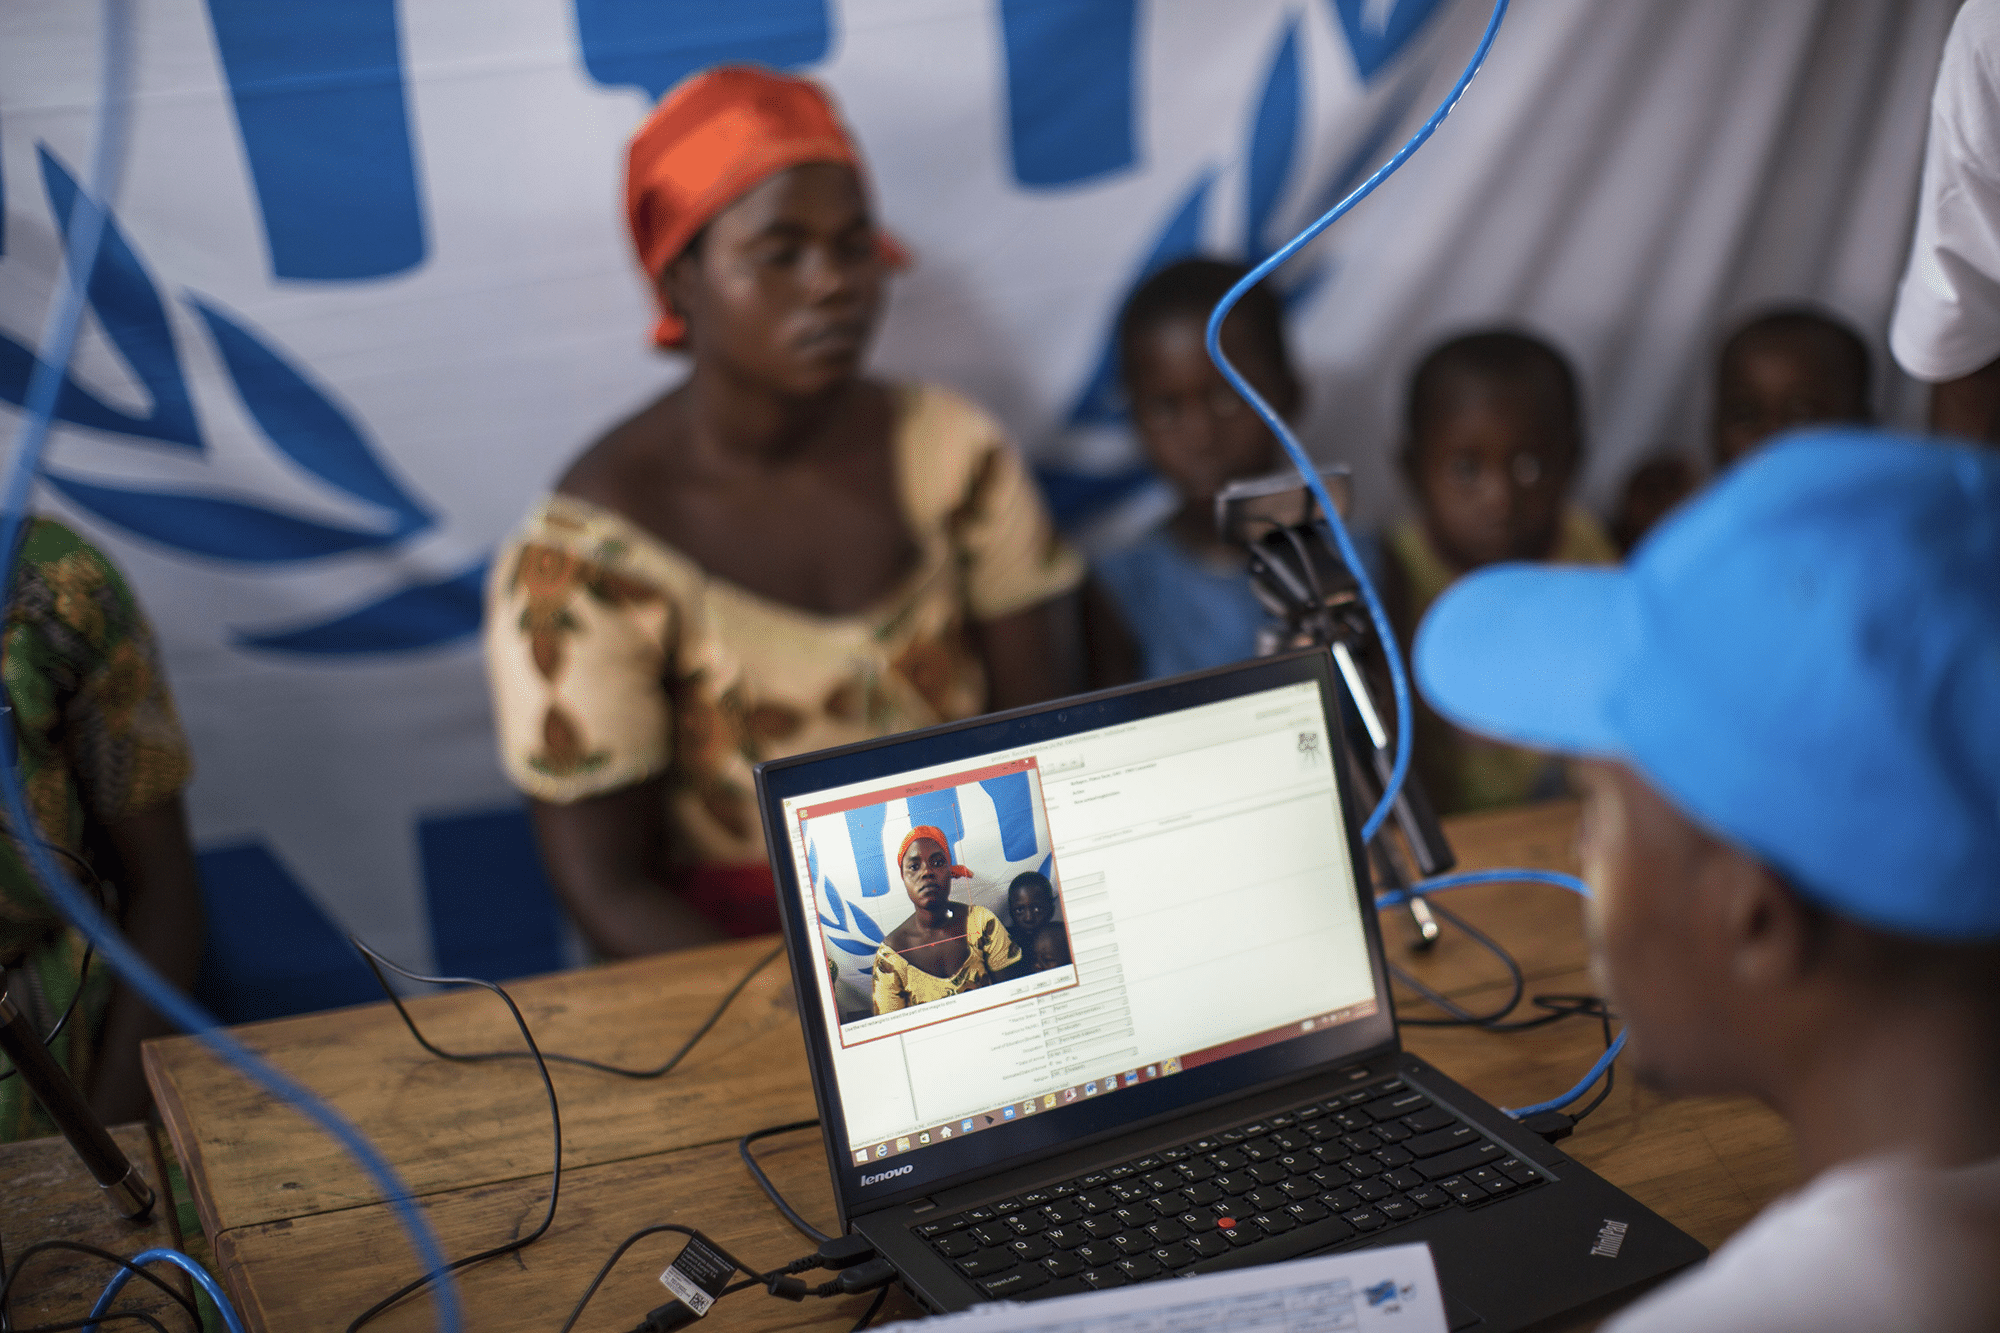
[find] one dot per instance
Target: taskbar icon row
(864, 1154)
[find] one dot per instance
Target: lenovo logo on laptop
(1610, 1238)
(881, 1176)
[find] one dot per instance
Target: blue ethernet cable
(1399, 680)
(1583, 1085)
(1397, 897)
(230, 1319)
(1464, 878)
(1344, 542)
(38, 411)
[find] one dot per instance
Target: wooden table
(304, 1241)
(45, 1194)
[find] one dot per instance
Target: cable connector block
(865, 1276)
(666, 1318)
(787, 1287)
(845, 1251)
(1551, 1125)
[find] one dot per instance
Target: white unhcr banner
(367, 289)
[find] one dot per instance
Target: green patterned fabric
(98, 740)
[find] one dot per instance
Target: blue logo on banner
(300, 421)
(1070, 109)
(1378, 30)
(654, 44)
(859, 938)
(318, 91)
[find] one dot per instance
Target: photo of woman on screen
(945, 948)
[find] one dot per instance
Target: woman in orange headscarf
(779, 555)
(945, 948)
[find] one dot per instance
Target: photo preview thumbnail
(935, 900)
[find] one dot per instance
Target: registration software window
(1200, 903)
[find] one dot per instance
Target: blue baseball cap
(1805, 659)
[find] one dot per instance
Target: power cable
(376, 962)
(131, 1268)
(798, 1222)
(553, 1057)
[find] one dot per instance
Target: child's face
(1491, 469)
(1652, 492)
(1197, 432)
(1049, 951)
(1770, 386)
(1031, 906)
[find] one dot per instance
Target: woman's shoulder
(928, 408)
(629, 459)
(943, 433)
(568, 544)
(68, 589)
(588, 516)
(945, 445)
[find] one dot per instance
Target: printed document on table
(1389, 1290)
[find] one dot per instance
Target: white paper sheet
(1389, 1290)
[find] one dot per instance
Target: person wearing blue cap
(1785, 717)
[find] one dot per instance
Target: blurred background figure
(1788, 368)
(104, 762)
(1652, 492)
(1494, 437)
(1180, 591)
(1946, 326)
(779, 555)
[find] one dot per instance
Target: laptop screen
(1040, 928)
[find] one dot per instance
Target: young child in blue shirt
(1181, 592)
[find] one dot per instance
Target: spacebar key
(1307, 1239)
(1457, 1160)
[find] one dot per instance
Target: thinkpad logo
(1610, 1237)
(881, 1176)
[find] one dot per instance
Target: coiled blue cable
(38, 411)
(1397, 897)
(194, 1270)
(1399, 680)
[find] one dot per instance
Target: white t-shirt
(1947, 320)
(1878, 1245)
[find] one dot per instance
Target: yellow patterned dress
(614, 658)
(1462, 771)
(98, 740)
(989, 951)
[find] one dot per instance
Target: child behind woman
(1183, 593)
(1493, 439)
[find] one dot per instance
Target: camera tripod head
(1315, 599)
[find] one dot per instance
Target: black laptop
(1166, 1045)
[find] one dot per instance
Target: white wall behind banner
(368, 289)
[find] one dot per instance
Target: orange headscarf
(713, 136)
(936, 835)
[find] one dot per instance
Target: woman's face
(785, 285)
(927, 874)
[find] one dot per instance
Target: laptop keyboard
(1364, 1161)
